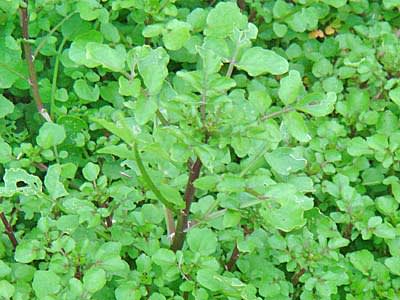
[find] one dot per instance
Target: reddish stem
(234, 257)
(296, 277)
(181, 225)
(24, 19)
(8, 230)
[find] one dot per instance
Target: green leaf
(394, 95)
(152, 64)
(91, 171)
(52, 182)
(121, 151)
(317, 104)
(28, 251)
(285, 160)
(211, 61)
(77, 50)
(386, 205)
(172, 196)
(152, 30)
(220, 27)
(257, 61)
(206, 182)
(28, 184)
(336, 3)
(393, 263)
(297, 126)
(358, 147)
(107, 57)
(50, 134)
(281, 9)
(231, 183)
(129, 87)
(279, 29)
(94, 279)
(177, 34)
(7, 290)
(362, 260)
(231, 218)
(389, 4)
(338, 242)
(291, 87)
(286, 209)
(202, 240)
(120, 129)
(385, 231)
(4, 269)
(145, 110)
(322, 68)
(6, 106)
(67, 223)
(164, 257)
(127, 291)
(5, 152)
(89, 10)
(46, 283)
(209, 279)
(85, 92)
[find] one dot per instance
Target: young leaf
(152, 64)
(291, 87)
(297, 126)
(104, 55)
(257, 61)
(52, 182)
(220, 27)
(6, 106)
(50, 134)
(94, 279)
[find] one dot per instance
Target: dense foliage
(187, 149)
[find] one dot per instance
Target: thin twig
(277, 113)
(44, 41)
(55, 76)
(8, 230)
(24, 18)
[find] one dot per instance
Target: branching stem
(51, 32)
(24, 18)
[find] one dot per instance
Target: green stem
(44, 41)
(232, 61)
(277, 113)
(55, 76)
(254, 160)
(149, 181)
(56, 154)
(161, 117)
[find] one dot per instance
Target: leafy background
(199, 149)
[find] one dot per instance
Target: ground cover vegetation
(199, 149)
